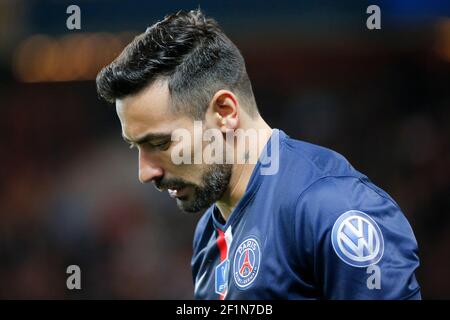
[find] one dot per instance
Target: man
(309, 227)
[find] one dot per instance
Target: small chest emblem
(246, 263)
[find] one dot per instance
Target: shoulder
(318, 159)
(347, 224)
(333, 206)
(329, 197)
(306, 167)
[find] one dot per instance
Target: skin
(149, 112)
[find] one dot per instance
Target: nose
(148, 168)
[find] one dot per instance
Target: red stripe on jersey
(222, 244)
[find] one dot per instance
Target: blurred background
(69, 192)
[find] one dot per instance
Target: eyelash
(160, 146)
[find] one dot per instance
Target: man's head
(181, 69)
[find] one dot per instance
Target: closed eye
(154, 141)
(162, 145)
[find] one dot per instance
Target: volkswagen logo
(357, 239)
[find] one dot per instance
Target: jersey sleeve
(356, 241)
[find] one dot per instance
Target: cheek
(191, 172)
(185, 171)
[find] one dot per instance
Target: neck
(241, 173)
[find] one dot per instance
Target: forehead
(148, 111)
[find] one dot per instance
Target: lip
(176, 192)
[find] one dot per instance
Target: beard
(214, 184)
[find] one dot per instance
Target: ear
(224, 109)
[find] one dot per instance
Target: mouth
(177, 192)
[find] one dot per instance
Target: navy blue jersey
(317, 229)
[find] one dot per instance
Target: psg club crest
(357, 239)
(246, 263)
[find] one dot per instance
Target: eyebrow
(147, 138)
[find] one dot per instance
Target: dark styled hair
(188, 50)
